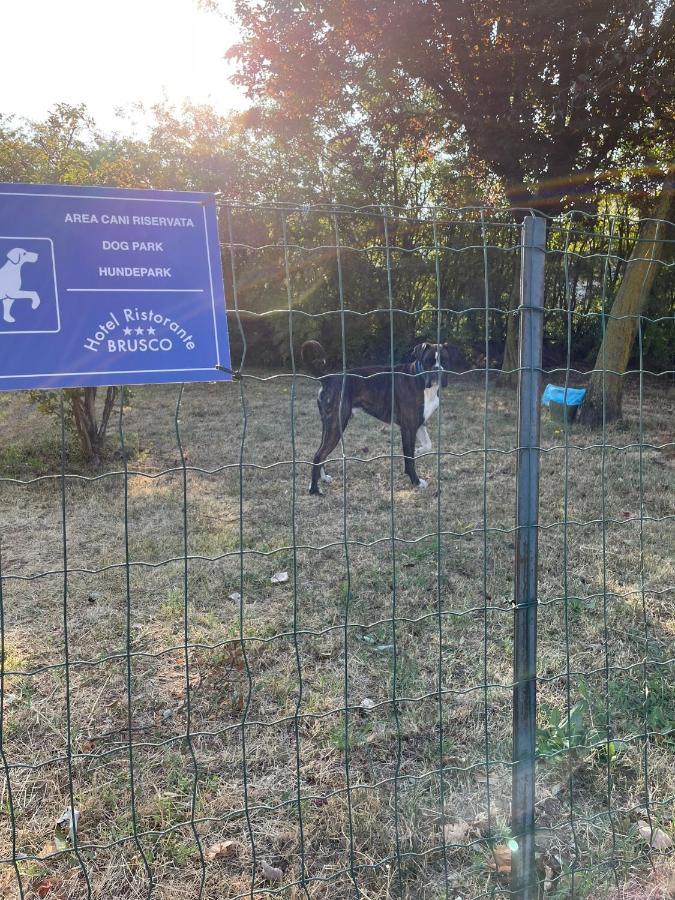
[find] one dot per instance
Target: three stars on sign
(129, 331)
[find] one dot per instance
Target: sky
(115, 53)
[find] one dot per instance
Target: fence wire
(234, 689)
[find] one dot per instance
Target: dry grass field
(408, 625)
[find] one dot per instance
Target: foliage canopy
(545, 93)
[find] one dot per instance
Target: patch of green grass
(634, 702)
(172, 606)
(172, 803)
(408, 683)
(420, 553)
(324, 694)
(584, 728)
(253, 581)
(279, 686)
(359, 731)
(174, 848)
(37, 457)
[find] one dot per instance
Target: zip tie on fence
(235, 373)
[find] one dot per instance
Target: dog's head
(314, 357)
(436, 360)
(18, 255)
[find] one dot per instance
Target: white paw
(423, 484)
(326, 478)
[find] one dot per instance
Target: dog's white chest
(430, 401)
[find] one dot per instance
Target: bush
(82, 417)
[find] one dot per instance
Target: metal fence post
(524, 876)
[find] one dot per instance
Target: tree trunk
(508, 377)
(606, 387)
(91, 433)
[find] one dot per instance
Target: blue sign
(104, 286)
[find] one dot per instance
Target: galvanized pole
(523, 869)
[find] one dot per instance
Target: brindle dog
(414, 396)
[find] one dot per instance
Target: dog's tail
(313, 357)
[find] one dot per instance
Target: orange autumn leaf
(500, 859)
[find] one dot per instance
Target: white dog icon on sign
(10, 281)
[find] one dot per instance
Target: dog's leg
(7, 309)
(324, 477)
(423, 441)
(408, 441)
(332, 432)
(33, 296)
(314, 483)
(331, 437)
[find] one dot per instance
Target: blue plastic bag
(567, 397)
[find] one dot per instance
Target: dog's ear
(418, 352)
(14, 255)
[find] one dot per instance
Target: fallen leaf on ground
(49, 888)
(235, 595)
(656, 837)
(270, 873)
(222, 850)
(279, 578)
(48, 849)
(457, 833)
(367, 704)
(500, 859)
(88, 746)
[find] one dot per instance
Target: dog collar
(419, 368)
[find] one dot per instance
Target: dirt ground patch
(351, 725)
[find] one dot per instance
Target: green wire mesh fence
(215, 685)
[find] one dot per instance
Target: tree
(606, 387)
(543, 92)
(509, 373)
